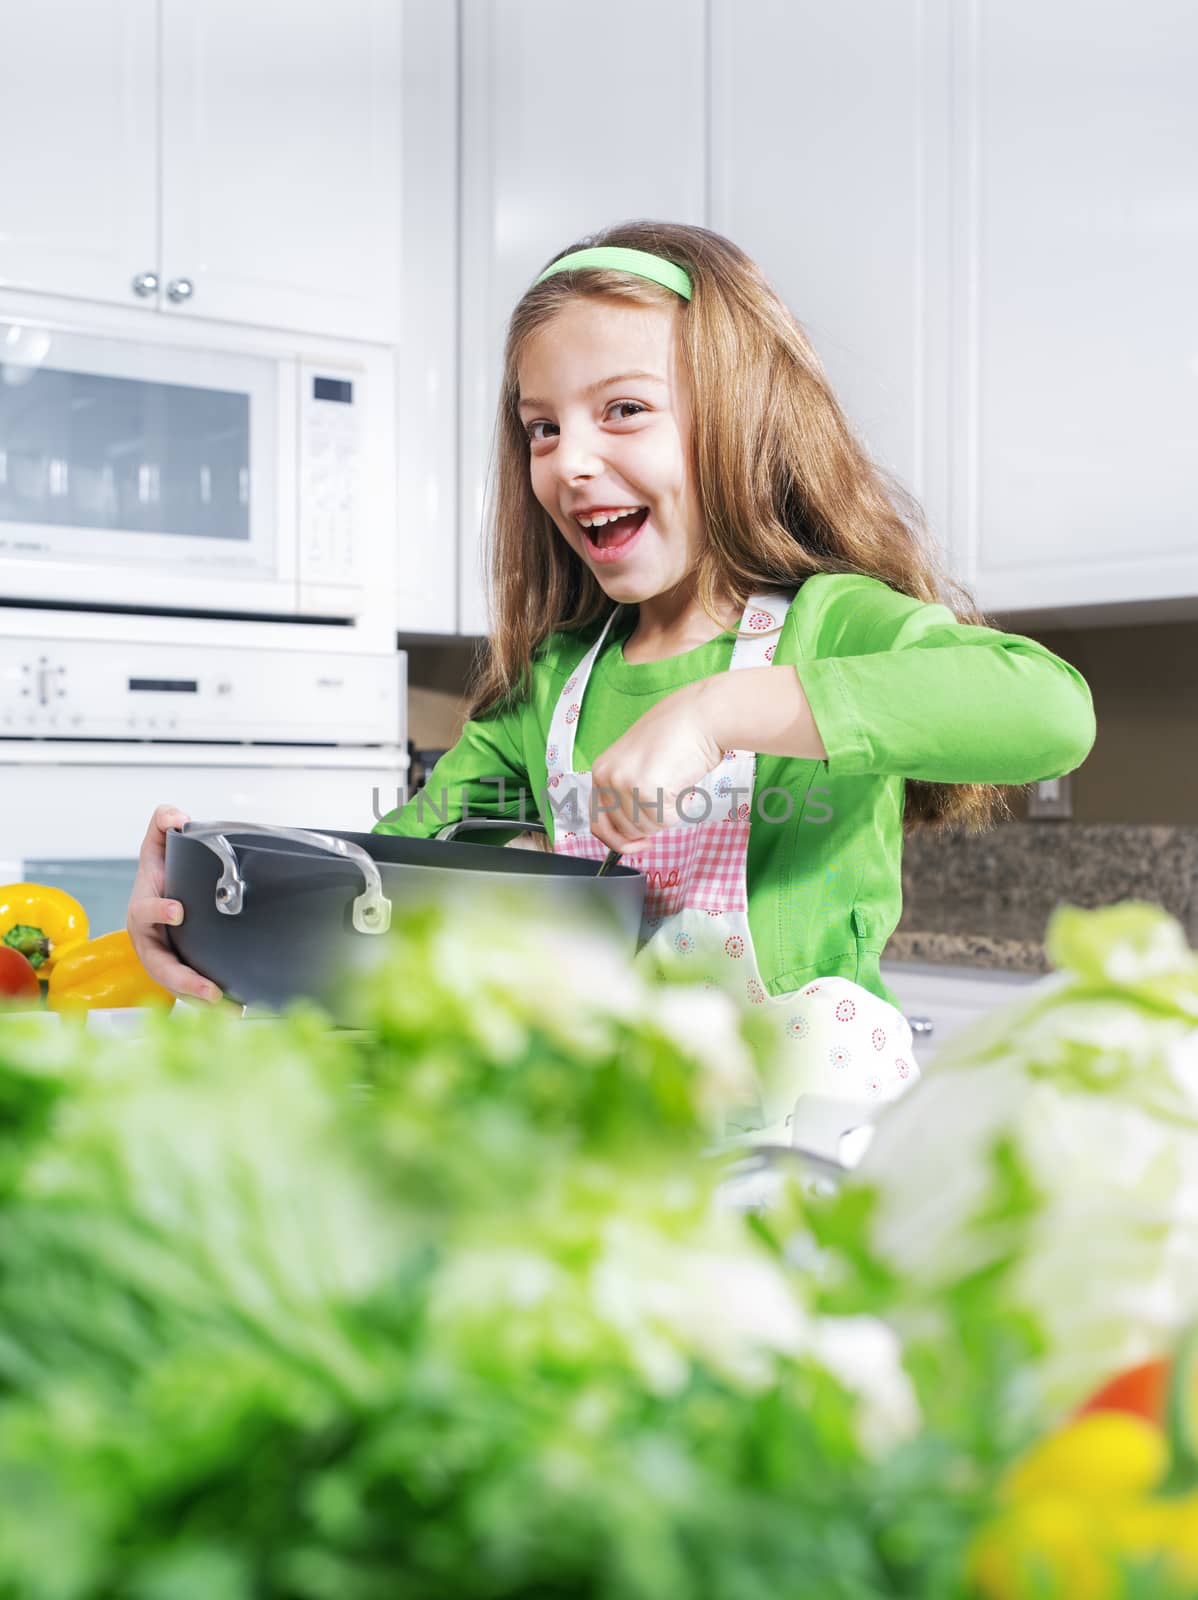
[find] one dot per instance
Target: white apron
(837, 1039)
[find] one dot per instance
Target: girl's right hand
(148, 911)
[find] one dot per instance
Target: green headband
(640, 262)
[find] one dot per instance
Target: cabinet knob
(145, 283)
(920, 1026)
(179, 289)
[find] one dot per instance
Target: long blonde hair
(784, 486)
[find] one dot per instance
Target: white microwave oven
(213, 471)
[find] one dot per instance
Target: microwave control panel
(83, 689)
(330, 468)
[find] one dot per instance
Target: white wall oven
(185, 469)
(95, 733)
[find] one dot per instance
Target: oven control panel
(88, 689)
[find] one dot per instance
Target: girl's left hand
(637, 781)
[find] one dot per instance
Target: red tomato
(1142, 1390)
(18, 980)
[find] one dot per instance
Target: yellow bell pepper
(41, 922)
(1079, 1506)
(104, 972)
(1101, 1456)
(1063, 1547)
(1054, 1547)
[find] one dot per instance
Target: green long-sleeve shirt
(898, 689)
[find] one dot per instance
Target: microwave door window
(88, 450)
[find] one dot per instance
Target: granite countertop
(937, 945)
(985, 900)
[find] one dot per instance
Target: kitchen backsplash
(1144, 678)
(985, 900)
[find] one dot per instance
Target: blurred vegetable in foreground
(1141, 1391)
(1027, 1222)
(1108, 1491)
(439, 1309)
(1057, 1159)
(451, 1307)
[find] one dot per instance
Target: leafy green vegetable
(1056, 1184)
(454, 1304)
(441, 1307)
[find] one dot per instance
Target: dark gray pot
(275, 914)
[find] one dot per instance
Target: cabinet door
(573, 118)
(427, 394)
(829, 146)
(1077, 476)
(280, 151)
(78, 108)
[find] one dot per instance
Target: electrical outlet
(1051, 798)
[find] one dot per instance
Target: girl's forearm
(762, 709)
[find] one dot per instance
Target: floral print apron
(837, 1040)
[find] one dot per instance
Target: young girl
(720, 646)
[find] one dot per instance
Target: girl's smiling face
(607, 411)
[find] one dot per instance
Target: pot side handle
(371, 912)
(452, 828)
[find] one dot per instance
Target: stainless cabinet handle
(145, 284)
(179, 289)
(920, 1026)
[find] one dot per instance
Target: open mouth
(615, 539)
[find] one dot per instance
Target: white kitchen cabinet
(940, 1001)
(280, 163)
(985, 218)
(982, 215)
(1075, 329)
(239, 161)
(78, 128)
(573, 117)
(829, 166)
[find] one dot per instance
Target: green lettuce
(1042, 1178)
(455, 1303)
(446, 1305)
